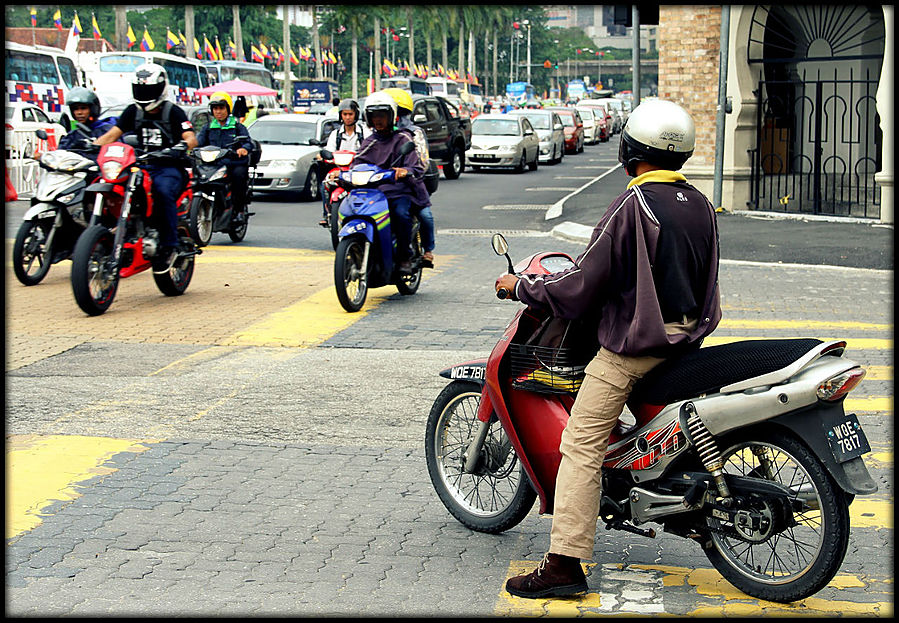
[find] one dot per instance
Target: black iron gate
(818, 146)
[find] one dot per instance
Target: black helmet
(659, 132)
(348, 104)
(83, 96)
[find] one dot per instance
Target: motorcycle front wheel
(200, 222)
(800, 560)
(350, 278)
(94, 277)
(31, 256)
(497, 494)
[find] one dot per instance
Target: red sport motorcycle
(123, 235)
(744, 448)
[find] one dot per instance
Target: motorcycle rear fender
(852, 476)
(469, 371)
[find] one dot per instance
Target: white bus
(39, 75)
(110, 75)
(444, 87)
(222, 71)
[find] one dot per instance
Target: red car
(573, 129)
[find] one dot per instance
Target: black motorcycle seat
(707, 370)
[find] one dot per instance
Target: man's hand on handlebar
(505, 286)
(401, 172)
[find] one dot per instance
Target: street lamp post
(528, 24)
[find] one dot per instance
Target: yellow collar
(658, 175)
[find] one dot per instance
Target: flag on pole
(232, 49)
(171, 39)
(280, 55)
(293, 58)
(146, 43)
(218, 49)
(130, 37)
(331, 56)
(76, 25)
(33, 17)
(255, 54)
(96, 28)
(197, 50)
(57, 19)
(208, 49)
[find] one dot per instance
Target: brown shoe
(557, 576)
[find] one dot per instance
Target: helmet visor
(147, 93)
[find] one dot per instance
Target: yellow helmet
(220, 97)
(402, 98)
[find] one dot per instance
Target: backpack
(166, 121)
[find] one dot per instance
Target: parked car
(447, 129)
(22, 120)
(598, 105)
(290, 142)
(596, 128)
(573, 128)
(550, 131)
(499, 140)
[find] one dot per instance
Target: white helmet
(150, 85)
(380, 101)
(658, 132)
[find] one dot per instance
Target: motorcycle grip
(503, 293)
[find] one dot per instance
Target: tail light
(838, 386)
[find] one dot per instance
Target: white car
(290, 143)
(22, 119)
(499, 140)
(550, 131)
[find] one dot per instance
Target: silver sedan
(289, 150)
(503, 141)
(550, 131)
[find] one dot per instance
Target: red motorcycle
(744, 448)
(123, 236)
(342, 160)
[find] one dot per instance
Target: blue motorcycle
(365, 250)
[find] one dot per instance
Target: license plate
(481, 157)
(846, 437)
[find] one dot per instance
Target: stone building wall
(689, 45)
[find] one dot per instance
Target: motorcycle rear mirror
(501, 247)
(41, 134)
(64, 120)
(407, 148)
(327, 155)
(130, 139)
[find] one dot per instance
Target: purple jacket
(628, 274)
(382, 151)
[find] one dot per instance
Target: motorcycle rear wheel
(408, 284)
(801, 560)
(238, 231)
(350, 281)
(200, 223)
(334, 222)
(95, 280)
(499, 494)
(176, 280)
(31, 247)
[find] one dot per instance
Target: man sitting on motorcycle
(404, 107)
(85, 108)
(158, 124)
(649, 281)
(381, 149)
(347, 137)
(221, 132)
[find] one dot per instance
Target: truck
(306, 93)
(448, 132)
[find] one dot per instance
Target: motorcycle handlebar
(503, 294)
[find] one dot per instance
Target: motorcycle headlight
(343, 159)
(360, 178)
(219, 174)
(208, 155)
(111, 169)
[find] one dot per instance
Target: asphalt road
(250, 449)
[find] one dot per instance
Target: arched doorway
(818, 142)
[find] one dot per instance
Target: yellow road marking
(882, 404)
(746, 323)
(871, 512)
(41, 470)
(647, 585)
(878, 373)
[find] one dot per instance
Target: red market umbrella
(237, 87)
